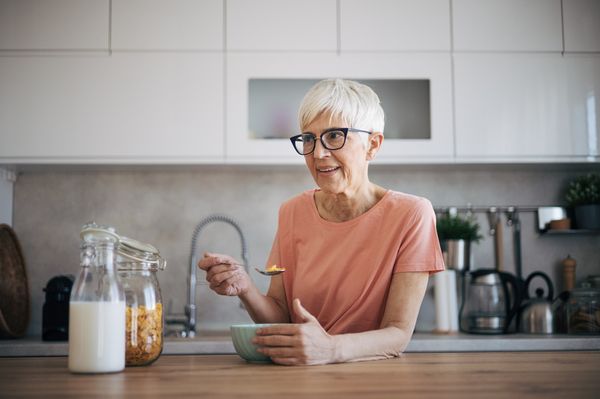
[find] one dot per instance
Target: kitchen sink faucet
(189, 319)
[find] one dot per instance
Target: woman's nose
(320, 151)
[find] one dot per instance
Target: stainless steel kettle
(536, 314)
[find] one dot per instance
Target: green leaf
(583, 190)
(458, 228)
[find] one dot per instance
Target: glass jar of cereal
(137, 265)
(583, 310)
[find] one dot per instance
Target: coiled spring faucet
(190, 308)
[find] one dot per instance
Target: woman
(357, 256)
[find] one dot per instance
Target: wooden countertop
(512, 375)
(219, 343)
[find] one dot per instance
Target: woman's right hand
(225, 275)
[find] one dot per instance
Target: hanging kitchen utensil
(512, 220)
(496, 231)
(14, 290)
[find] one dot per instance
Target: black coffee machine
(55, 314)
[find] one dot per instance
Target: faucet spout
(190, 308)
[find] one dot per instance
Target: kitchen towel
(446, 302)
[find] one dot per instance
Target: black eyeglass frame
(344, 130)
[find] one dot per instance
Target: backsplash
(162, 206)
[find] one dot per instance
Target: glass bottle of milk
(97, 306)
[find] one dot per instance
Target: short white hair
(355, 103)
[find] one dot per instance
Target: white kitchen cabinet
(244, 145)
(54, 24)
(127, 108)
(167, 25)
(507, 25)
(395, 25)
(281, 25)
(582, 25)
(527, 107)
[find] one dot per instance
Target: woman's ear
(375, 141)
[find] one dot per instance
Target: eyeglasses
(332, 139)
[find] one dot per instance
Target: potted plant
(456, 233)
(583, 195)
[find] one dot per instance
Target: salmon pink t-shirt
(342, 271)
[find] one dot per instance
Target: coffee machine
(55, 312)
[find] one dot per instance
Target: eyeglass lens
(332, 140)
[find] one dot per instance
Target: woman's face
(342, 171)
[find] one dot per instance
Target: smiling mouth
(329, 170)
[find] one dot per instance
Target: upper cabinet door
(281, 25)
(167, 25)
(54, 24)
(264, 92)
(507, 25)
(130, 107)
(582, 25)
(395, 25)
(527, 107)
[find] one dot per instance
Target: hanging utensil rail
(485, 209)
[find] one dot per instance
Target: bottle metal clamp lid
(136, 255)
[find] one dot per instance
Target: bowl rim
(251, 325)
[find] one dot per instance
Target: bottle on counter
(97, 306)
(569, 264)
(559, 307)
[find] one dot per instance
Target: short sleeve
(419, 250)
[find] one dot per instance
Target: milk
(96, 337)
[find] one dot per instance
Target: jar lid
(586, 290)
(593, 280)
(135, 255)
(92, 231)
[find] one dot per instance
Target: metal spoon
(267, 272)
(264, 272)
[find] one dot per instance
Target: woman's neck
(341, 207)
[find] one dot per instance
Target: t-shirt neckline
(315, 212)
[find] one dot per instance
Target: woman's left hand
(295, 344)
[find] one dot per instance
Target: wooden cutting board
(14, 289)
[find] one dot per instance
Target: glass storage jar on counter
(583, 310)
(97, 301)
(137, 265)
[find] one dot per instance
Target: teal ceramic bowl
(242, 335)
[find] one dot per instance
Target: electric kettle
(490, 302)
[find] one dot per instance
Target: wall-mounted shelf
(546, 214)
(569, 232)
